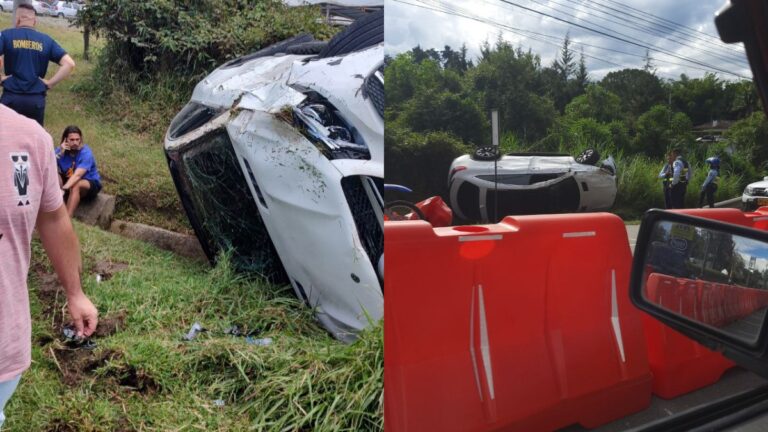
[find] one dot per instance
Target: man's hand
(5, 78)
(47, 83)
(84, 314)
(62, 247)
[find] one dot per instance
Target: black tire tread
(363, 33)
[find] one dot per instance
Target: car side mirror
(745, 21)
(706, 279)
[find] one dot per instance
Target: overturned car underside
(530, 183)
(278, 158)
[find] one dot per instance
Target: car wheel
(306, 48)
(399, 210)
(363, 33)
(588, 157)
(485, 154)
(61, 15)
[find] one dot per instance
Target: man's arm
(66, 66)
(62, 247)
(710, 177)
(76, 176)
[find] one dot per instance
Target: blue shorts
(32, 106)
(6, 391)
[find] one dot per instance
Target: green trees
(438, 104)
(659, 130)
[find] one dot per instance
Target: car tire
(589, 156)
(486, 154)
(363, 33)
(306, 48)
(400, 204)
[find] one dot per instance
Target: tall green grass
(149, 379)
(640, 189)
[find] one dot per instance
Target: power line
(718, 50)
(538, 36)
(622, 38)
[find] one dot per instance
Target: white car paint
(305, 209)
(599, 196)
(755, 195)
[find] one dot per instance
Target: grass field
(131, 163)
(142, 376)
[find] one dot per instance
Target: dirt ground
(76, 363)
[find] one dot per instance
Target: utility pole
(495, 143)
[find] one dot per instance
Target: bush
(157, 50)
(420, 161)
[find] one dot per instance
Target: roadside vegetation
(438, 104)
(143, 376)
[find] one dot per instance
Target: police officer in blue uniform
(26, 53)
(709, 187)
(681, 174)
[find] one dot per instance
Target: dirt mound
(110, 324)
(76, 364)
(106, 269)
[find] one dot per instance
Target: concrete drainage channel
(99, 213)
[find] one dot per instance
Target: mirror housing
(706, 279)
(747, 21)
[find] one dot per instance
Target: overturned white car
(484, 188)
(278, 157)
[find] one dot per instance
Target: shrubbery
(157, 50)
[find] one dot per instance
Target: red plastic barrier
(525, 325)
(679, 364)
(436, 211)
(715, 304)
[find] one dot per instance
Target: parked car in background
(755, 195)
(41, 7)
(64, 9)
(529, 183)
(6, 5)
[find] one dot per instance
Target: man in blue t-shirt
(26, 53)
(79, 176)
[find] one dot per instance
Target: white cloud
(407, 25)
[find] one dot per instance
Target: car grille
(220, 206)
(759, 192)
(366, 218)
(374, 89)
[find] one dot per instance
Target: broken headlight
(321, 123)
(191, 117)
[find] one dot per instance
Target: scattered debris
(235, 330)
(73, 341)
(258, 342)
(219, 403)
(194, 331)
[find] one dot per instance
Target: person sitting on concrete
(80, 178)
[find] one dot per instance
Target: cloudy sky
(681, 34)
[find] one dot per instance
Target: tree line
(438, 103)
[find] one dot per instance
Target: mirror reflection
(712, 277)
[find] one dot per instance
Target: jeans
(31, 106)
(6, 391)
